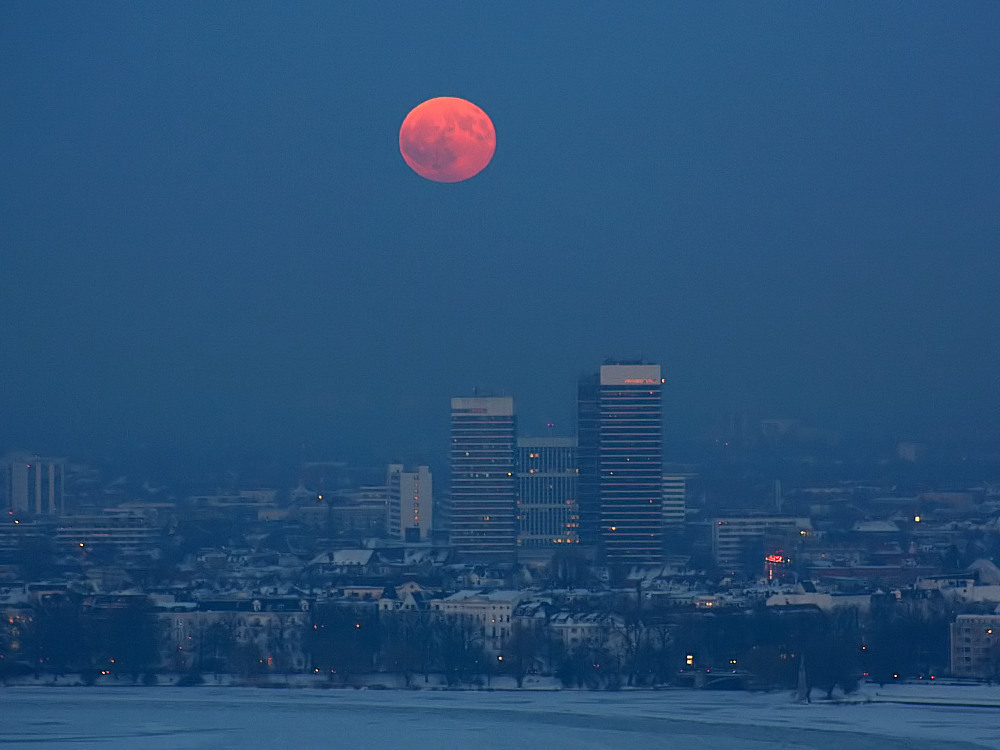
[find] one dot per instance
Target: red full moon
(447, 139)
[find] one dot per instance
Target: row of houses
(197, 629)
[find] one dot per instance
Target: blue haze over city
(210, 243)
(693, 388)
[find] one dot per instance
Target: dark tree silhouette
(344, 639)
(521, 651)
(459, 651)
(56, 639)
(125, 639)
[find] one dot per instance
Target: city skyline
(643, 348)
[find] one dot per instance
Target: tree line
(633, 647)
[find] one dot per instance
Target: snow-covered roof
(344, 557)
(874, 527)
(987, 572)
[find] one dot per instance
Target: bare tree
(521, 650)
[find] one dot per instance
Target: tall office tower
(547, 475)
(620, 430)
(588, 435)
(675, 500)
(411, 503)
(33, 484)
(483, 506)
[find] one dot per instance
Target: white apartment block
(490, 613)
(975, 646)
(34, 485)
(411, 503)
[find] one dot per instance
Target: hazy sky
(208, 236)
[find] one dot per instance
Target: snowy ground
(116, 718)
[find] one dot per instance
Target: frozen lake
(166, 718)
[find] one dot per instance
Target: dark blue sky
(208, 237)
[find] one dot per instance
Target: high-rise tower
(546, 493)
(620, 432)
(675, 488)
(483, 506)
(588, 434)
